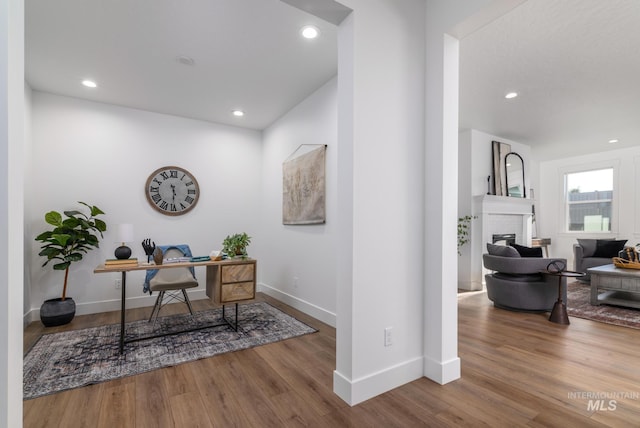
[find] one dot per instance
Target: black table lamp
(125, 234)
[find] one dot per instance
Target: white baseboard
(356, 391)
(442, 372)
(470, 285)
(112, 305)
(146, 300)
(302, 305)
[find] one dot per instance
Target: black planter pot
(55, 312)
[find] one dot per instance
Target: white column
(11, 209)
(457, 17)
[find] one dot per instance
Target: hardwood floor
(518, 369)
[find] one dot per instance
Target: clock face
(172, 190)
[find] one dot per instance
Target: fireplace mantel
(493, 204)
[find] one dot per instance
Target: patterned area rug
(578, 306)
(72, 359)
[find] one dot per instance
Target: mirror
(514, 167)
(499, 151)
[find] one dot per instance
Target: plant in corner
(66, 243)
(464, 224)
(236, 245)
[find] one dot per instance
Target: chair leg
(157, 305)
(187, 301)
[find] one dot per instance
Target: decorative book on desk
(121, 262)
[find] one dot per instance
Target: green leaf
(96, 211)
(61, 266)
(101, 225)
(74, 257)
(61, 239)
(44, 236)
(72, 222)
(54, 218)
(50, 252)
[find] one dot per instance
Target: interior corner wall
(102, 154)
(28, 95)
(465, 205)
(299, 262)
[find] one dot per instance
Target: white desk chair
(170, 282)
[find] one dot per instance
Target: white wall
(549, 208)
(299, 262)
(102, 154)
(28, 174)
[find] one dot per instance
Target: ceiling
(574, 64)
(247, 54)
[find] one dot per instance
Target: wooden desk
(227, 281)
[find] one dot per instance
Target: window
(589, 200)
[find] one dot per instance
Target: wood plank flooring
(518, 369)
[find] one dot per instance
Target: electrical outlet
(295, 282)
(118, 284)
(388, 339)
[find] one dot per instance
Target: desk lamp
(125, 234)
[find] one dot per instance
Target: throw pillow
(528, 251)
(502, 250)
(588, 247)
(608, 249)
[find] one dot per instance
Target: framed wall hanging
(303, 185)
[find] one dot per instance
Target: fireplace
(503, 238)
(500, 219)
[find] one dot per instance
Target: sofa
(517, 283)
(588, 253)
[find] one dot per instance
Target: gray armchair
(517, 284)
(586, 254)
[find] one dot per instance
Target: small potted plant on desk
(65, 244)
(236, 245)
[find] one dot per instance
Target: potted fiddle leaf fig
(66, 242)
(236, 245)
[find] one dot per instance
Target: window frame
(614, 165)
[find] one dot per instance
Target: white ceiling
(576, 66)
(248, 54)
(574, 63)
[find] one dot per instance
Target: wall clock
(172, 190)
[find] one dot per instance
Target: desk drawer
(238, 273)
(237, 291)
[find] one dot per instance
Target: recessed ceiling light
(613, 141)
(511, 95)
(185, 60)
(310, 32)
(238, 113)
(89, 83)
